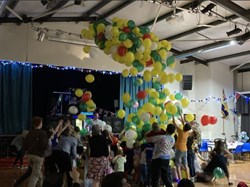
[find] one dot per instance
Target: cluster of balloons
(86, 104)
(206, 119)
(142, 52)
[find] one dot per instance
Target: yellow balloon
(147, 76)
(166, 91)
(133, 71)
(171, 77)
(126, 97)
(184, 102)
(90, 103)
(140, 111)
(100, 27)
(189, 117)
(163, 78)
(149, 107)
(86, 49)
(163, 127)
(140, 125)
(147, 43)
(130, 116)
(121, 113)
(115, 31)
(116, 57)
(79, 92)
(138, 56)
(81, 117)
(172, 109)
(128, 43)
(154, 72)
(158, 66)
(125, 72)
(172, 97)
(129, 58)
(172, 66)
(90, 78)
(152, 120)
(178, 77)
(136, 30)
(163, 118)
(158, 110)
(163, 53)
(154, 94)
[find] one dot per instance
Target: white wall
(243, 83)
(18, 43)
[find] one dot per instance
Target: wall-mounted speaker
(187, 82)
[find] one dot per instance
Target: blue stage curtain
(16, 97)
(127, 85)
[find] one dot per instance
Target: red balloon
(122, 50)
(205, 120)
(114, 140)
(85, 97)
(149, 63)
(141, 94)
(212, 120)
(100, 36)
(126, 29)
(146, 36)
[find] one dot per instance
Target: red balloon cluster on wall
(141, 94)
(206, 119)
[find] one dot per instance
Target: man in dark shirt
(35, 143)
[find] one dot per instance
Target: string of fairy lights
(206, 99)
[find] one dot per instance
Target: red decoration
(149, 63)
(85, 97)
(212, 120)
(100, 36)
(126, 29)
(205, 120)
(114, 140)
(122, 50)
(146, 36)
(141, 94)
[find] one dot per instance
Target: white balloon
(108, 29)
(141, 49)
(130, 134)
(93, 53)
(130, 144)
(113, 49)
(108, 36)
(154, 46)
(73, 110)
(145, 116)
(108, 128)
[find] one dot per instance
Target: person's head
(116, 179)
(95, 130)
(123, 144)
(242, 184)
(219, 146)
(155, 127)
(37, 122)
(170, 129)
(96, 116)
(187, 127)
(77, 129)
(105, 133)
(66, 132)
(119, 152)
(185, 183)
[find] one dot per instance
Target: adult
(36, 143)
(116, 179)
(64, 152)
(97, 121)
(181, 147)
(98, 152)
(17, 145)
(160, 167)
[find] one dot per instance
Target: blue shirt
(67, 144)
(149, 150)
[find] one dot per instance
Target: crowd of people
(167, 156)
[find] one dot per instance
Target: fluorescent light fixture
(69, 41)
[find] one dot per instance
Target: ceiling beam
(118, 8)
(235, 55)
(197, 29)
(10, 3)
(96, 8)
(52, 19)
(160, 18)
(234, 8)
(242, 67)
(191, 58)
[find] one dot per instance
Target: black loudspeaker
(116, 123)
(187, 82)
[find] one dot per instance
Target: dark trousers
(63, 161)
(190, 159)
(23, 177)
(19, 156)
(149, 161)
(160, 169)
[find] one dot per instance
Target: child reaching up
(119, 160)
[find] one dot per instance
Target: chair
(204, 149)
(238, 151)
(246, 150)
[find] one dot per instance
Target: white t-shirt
(119, 162)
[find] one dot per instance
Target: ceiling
(191, 42)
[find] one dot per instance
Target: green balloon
(123, 36)
(155, 56)
(136, 63)
(83, 107)
(127, 125)
(164, 66)
(88, 121)
(219, 173)
(178, 96)
(157, 85)
(162, 106)
(152, 100)
(162, 95)
(136, 120)
(131, 24)
(102, 45)
(131, 36)
(137, 42)
(140, 68)
(146, 127)
(170, 60)
(129, 104)
(84, 132)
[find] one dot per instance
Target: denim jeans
(190, 158)
(160, 168)
(143, 173)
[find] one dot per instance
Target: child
(143, 166)
(119, 161)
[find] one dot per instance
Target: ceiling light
(70, 41)
(236, 30)
(208, 8)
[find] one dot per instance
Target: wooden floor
(239, 172)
